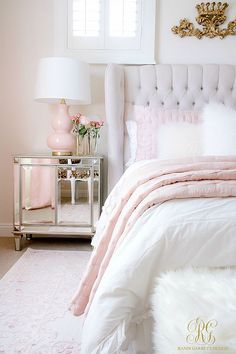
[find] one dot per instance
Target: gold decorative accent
(75, 173)
(62, 173)
(61, 153)
(210, 16)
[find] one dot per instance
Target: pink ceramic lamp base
(61, 142)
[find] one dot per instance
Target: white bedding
(174, 234)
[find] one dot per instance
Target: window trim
(144, 55)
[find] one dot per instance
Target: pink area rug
(34, 299)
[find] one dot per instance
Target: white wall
(26, 34)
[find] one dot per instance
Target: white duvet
(177, 233)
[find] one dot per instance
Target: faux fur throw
(195, 312)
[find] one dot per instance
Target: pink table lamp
(64, 81)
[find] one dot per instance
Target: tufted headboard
(186, 87)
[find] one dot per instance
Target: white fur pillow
(178, 139)
(219, 130)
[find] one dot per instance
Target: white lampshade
(63, 78)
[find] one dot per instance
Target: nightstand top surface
(48, 156)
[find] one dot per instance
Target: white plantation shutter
(85, 24)
(101, 31)
(123, 25)
(86, 18)
(123, 16)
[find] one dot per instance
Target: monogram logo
(201, 332)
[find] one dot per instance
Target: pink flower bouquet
(84, 127)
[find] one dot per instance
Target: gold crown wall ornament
(210, 16)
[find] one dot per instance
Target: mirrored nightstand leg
(72, 184)
(28, 237)
(89, 190)
(18, 243)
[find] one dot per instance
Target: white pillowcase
(174, 140)
(131, 126)
(219, 130)
(179, 140)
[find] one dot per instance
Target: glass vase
(93, 144)
(79, 149)
(86, 144)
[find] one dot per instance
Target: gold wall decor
(210, 16)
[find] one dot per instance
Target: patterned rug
(34, 299)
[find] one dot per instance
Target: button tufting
(156, 88)
(201, 88)
(162, 103)
(177, 103)
(148, 103)
(193, 103)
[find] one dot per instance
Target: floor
(8, 255)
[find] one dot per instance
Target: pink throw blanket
(142, 186)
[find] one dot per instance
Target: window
(101, 31)
(86, 18)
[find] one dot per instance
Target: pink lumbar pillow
(219, 130)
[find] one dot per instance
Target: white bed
(176, 233)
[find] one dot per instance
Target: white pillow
(219, 130)
(178, 140)
(131, 126)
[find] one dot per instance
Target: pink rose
(92, 123)
(84, 120)
(98, 124)
(76, 118)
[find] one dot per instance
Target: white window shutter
(86, 18)
(123, 30)
(86, 24)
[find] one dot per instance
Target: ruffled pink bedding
(142, 186)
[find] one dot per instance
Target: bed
(160, 214)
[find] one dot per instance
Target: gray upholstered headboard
(186, 87)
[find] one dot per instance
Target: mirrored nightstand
(56, 196)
